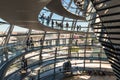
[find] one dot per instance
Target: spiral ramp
(25, 14)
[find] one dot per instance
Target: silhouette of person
(67, 25)
(41, 40)
(61, 25)
(31, 42)
(56, 24)
(28, 43)
(42, 18)
(77, 27)
(52, 23)
(48, 20)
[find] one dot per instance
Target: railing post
(40, 56)
(70, 46)
(55, 63)
(38, 73)
(86, 43)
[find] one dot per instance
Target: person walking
(80, 27)
(52, 23)
(31, 43)
(77, 27)
(61, 25)
(67, 25)
(56, 24)
(28, 43)
(48, 21)
(41, 41)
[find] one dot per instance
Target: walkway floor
(86, 77)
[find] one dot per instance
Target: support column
(100, 57)
(86, 40)
(70, 46)
(5, 51)
(58, 40)
(8, 35)
(51, 14)
(40, 56)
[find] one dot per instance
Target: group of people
(59, 25)
(30, 43)
(55, 23)
(43, 18)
